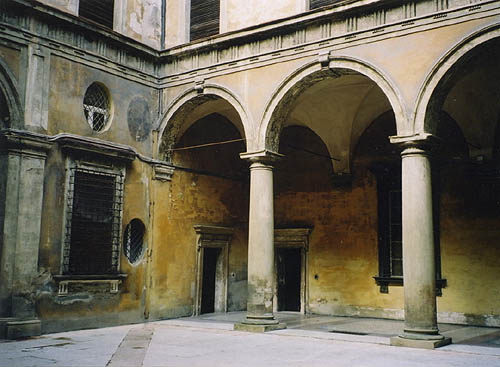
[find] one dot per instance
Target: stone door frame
(293, 238)
(212, 237)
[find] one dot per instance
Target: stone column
(261, 270)
(22, 163)
(419, 267)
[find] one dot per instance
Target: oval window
(133, 240)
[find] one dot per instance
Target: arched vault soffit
(422, 118)
(193, 105)
(277, 109)
(8, 87)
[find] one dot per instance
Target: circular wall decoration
(133, 240)
(139, 119)
(96, 107)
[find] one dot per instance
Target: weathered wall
(470, 250)
(199, 198)
(140, 20)
(237, 14)
(68, 83)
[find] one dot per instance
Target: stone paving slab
(195, 342)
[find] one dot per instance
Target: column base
(399, 341)
(23, 329)
(259, 325)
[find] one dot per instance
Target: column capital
(416, 144)
(265, 156)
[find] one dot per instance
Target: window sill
(114, 281)
(385, 282)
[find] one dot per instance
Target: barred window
(93, 220)
(133, 240)
(96, 107)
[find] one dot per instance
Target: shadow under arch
(188, 108)
(440, 77)
(297, 82)
(9, 90)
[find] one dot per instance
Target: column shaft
(419, 269)
(261, 245)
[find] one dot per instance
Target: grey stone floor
(309, 340)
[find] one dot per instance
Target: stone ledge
(422, 344)
(23, 329)
(258, 328)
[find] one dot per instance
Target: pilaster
(22, 161)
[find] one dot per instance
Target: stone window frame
(208, 236)
(118, 171)
(293, 238)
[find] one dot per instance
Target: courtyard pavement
(309, 340)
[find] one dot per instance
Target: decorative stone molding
(26, 143)
(79, 145)
(262, 156)
(199, 85)
(292, 237)
(64, 282)
(163, 172)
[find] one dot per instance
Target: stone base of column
(259, 325)
(440, 341)
(23, 328)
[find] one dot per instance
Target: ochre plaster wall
(470, 250)
(187, 200)
(343, 248)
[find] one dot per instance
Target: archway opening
(464, 111)
(209, 190)
(320, 121)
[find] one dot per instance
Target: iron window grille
(93, 222)
(96, 107)
(133, 242)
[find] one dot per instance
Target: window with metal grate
(98, 11)
(204, 18)
(96, 107)
(133, 240)
(315, 4)
(93, 222)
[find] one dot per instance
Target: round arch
(171, 123)
(8, 87)
(420, 122)
(310, 73)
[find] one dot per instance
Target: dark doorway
(289, 265)
(210, 256)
